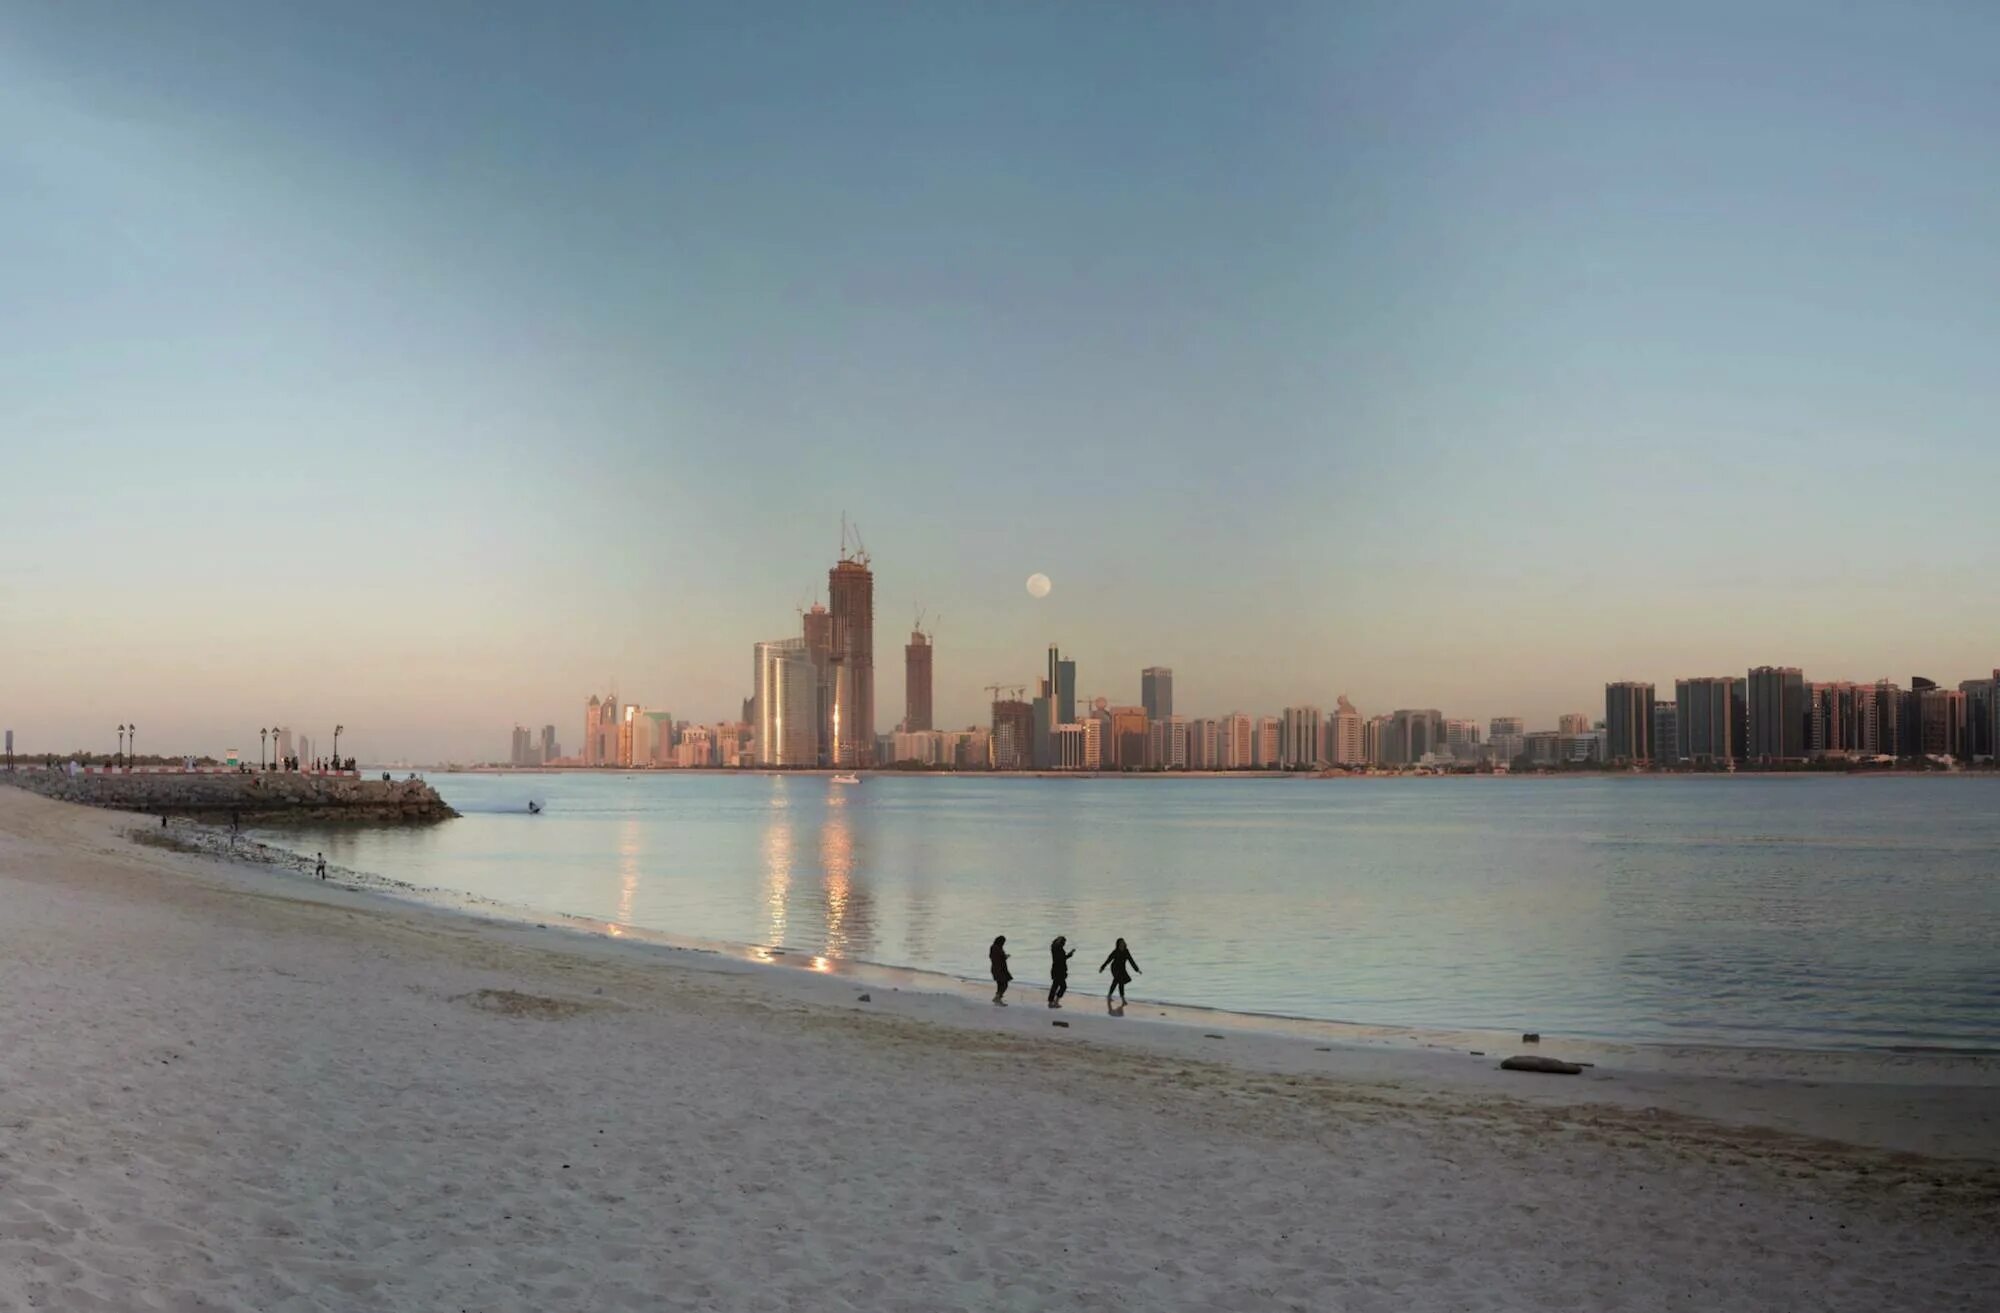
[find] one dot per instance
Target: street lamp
(132, 742)
(261, 732)
(121, 745)
(336, 745)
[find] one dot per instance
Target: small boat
(847, 779)
(534, 808)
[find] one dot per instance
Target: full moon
(1039, 585)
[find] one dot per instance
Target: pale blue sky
(425, 366)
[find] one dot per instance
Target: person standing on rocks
(1123, 966)
(1059, 970)
(997, 955)
(319, 867)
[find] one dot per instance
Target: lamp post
(261, 732)
(336, 745)
(132, 742)
(121, 745)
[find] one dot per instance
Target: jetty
(316, 797)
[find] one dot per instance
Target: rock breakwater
(262, 796)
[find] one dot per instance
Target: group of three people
(1121, 962)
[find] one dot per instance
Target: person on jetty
(997, 955)
(1123, 967)
(319, 866)
(1059, 970)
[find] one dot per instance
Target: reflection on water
(777, 863)
(1744, 910)
(628, 868)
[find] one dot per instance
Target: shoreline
(1752, 1087)
(233, 1085)
(1644, 1053)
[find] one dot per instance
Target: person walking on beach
(1059, 970)
(1123, 966)
(319, 867)
(1001, 975)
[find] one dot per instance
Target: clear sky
(429, 366)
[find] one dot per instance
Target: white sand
(223, 1087)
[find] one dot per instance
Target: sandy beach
(228, 1086)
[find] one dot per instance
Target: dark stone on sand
(1535, 1062)
(1063, 1024)
(867, 998)
(1479, 1053)
(1531, 1037)
(1211, 1035)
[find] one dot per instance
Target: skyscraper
(1573, 722)
(1299, 736)
(1156, 692)
(600, 731)
(1238, 734)
(1506, 738)
(1777, 713)
(1411, 734)
(1060, 688)
(1126, 748)
(817, 628)
(1462, 737)
(518, 756)
(917, 682)
(786, 704)
(1708, 712)
(1344, 734)
(1666, 733)
(1628, 722)
(1013, 735)
(1835, 719)
(1982, 715)
(850, 595)
(550, 748)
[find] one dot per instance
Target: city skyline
(1438, 358)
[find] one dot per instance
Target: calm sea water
(1817, 912)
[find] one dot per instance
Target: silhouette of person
(1001, 975)
(1123, 966)
(1059, 970)
(320, 867)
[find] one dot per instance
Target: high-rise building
(1573, 723)
(1067, 748)
(1944, 722)
(1506, 738)
(550, 748)
(1156, 691)
(1013, 735)
(1376, 732)
(1042, 753)
(1343, 733)
(850, 595)
(1299, 730)
(600, 731)
(1411, 735)
(1708, 712)
(1268, 748)
(1879, 708)
(1777, 707)
(1126, 748)
(1173, 743)
(1093, 743)
(1835, 719)
(1666, 733)
(785, 705)
(917, 682)
(1982, 715)
(1462, 738)
(816, 627)
(1238, 735)
(1062, 687)
(1628, 722)
(518, 755)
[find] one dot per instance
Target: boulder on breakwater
(262, 796)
